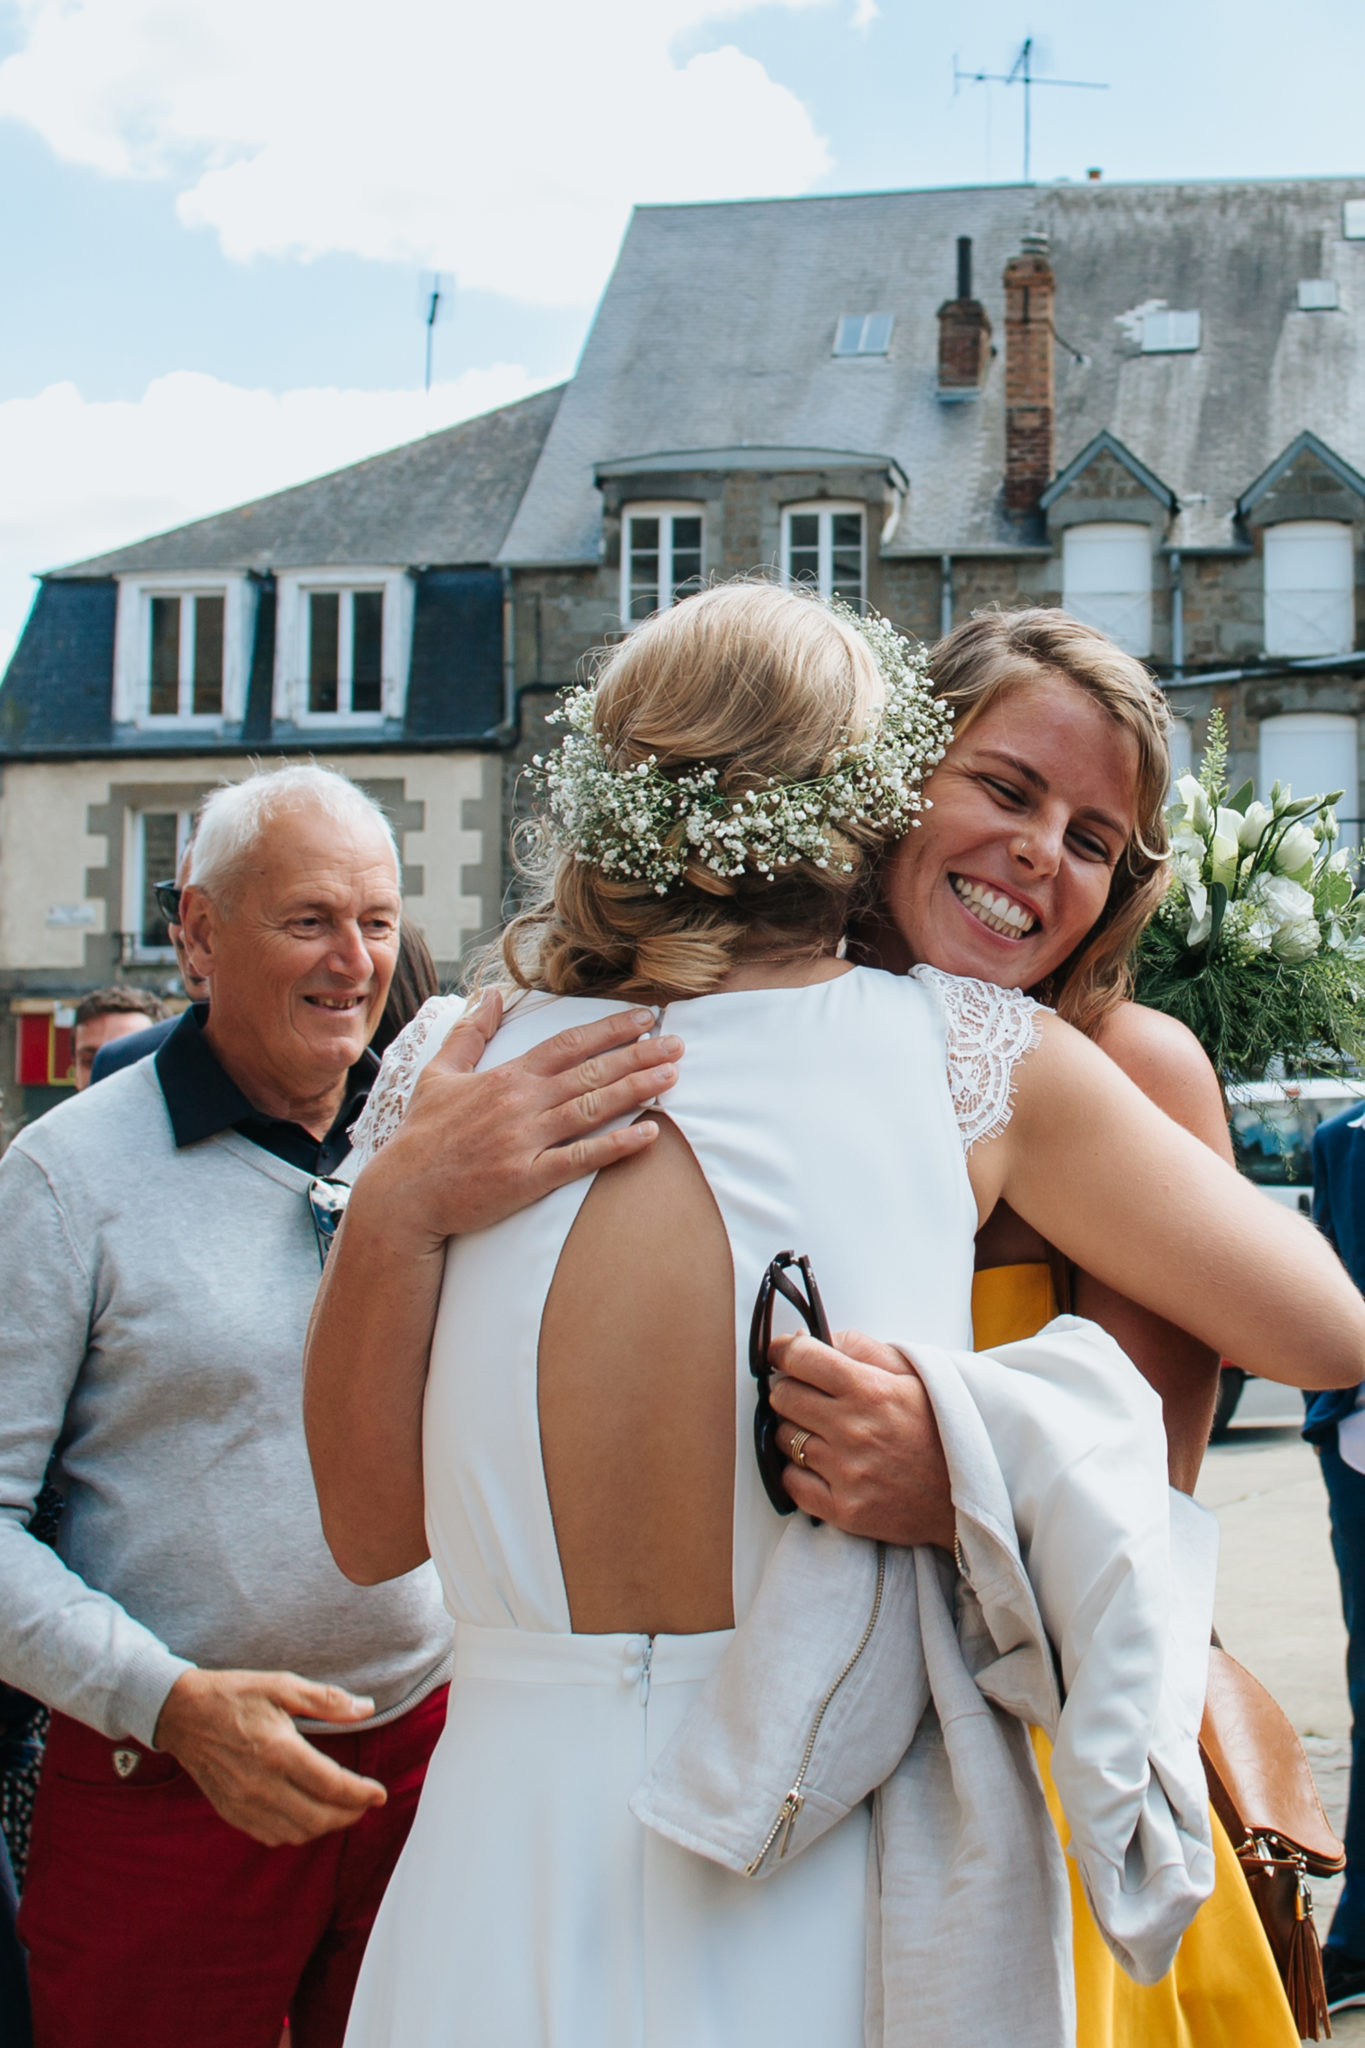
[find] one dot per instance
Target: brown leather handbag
(1261, 1787)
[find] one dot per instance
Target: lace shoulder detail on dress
(397, 1077)
(988, 1030)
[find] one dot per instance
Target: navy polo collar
(202, 1099)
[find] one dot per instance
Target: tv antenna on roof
(437, 294)
(1021, 73)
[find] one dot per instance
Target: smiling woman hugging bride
(564, 1415)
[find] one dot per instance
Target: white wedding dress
(529, 1908)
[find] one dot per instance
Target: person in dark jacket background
(1336, 1426)
(109, 1017)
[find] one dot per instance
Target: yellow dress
(1223, 1990)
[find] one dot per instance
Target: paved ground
(1278, 1608)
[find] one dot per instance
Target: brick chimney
(964, 334)
(1029, 290)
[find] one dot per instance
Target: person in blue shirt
(1335, 1424)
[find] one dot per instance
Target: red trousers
(150, 1923)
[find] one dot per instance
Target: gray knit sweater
(153, 1306)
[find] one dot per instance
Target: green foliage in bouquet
(1259, 943)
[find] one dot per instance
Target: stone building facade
(1145, 404)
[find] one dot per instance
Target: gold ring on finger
(797, 1453)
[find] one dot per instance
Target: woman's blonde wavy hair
(763, 683)
(976, 664)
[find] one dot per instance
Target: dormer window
(1309, 587)
(187, 655)
(1107, 581)
(182, 650)
(823, 545)
(660, 558)
(345, 651)
(342, 646)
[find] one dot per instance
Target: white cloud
(505, 142)
(77, 477)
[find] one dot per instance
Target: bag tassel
(1304, 1980)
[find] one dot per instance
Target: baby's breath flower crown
(650, 824)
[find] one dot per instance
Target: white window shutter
(1107, 582)
(1313, 753)
(1309, 588)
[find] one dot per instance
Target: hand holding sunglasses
(804, 1296)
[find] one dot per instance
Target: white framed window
(825, 546)
(182, 650)
(660, 558)
(153, 842)
(1181, 745)
(1309, 587)
(1313, 753)
(1107, 581)
(343, 644)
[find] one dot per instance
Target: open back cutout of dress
(636, 1394)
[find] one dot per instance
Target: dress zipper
(646, 1663)
(796, 1798)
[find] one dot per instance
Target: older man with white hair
(239, 1734)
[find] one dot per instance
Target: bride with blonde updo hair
(769, 685)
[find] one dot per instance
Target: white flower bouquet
(1259, 943)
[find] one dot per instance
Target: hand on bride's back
(873, 1460)
(474, 1147)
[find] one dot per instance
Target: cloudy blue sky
(216, 218)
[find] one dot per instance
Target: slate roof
(448, 498)
(718, 326)
(56, 693)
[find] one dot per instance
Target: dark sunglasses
(167, 900)
(327, 1201)
(804, 1296)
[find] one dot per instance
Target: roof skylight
(863, 334)
(1166, 334)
